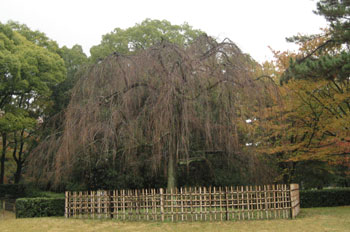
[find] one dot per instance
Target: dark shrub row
(39, 207)
(324, 198)
(11, 190)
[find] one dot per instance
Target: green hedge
(39, 207)
(324, 198)
(12, 190)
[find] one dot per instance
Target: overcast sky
(252, 24)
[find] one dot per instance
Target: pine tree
(331, 59)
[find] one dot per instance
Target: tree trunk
(171, 171)
(3, 154)
(19, 160)
(18, 172)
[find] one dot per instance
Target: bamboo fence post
(92, 204)
(286, 200)
(66, 205)
(266, 201)
(205, 203)
(181, 204)
(214, 196)
(278, 203)
(232, 203)
(243, 203)
(283, 201)
(137, 210)
(260, 203)
(220, 203)
(274, 200)
(107, 204)
(131, 204)
(123, 203)
(75, 204)
(172, 198)
(176, 203)
(294, 200)
(154, 208)
(238, 204)
(226, 199)
(190, 202)
(200, 203)
(146, 205)
(248, 202)
(115, 204)
(161, 203)
(256, 211)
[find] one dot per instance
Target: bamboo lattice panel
(185, 204)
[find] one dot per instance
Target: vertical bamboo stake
(146, 204)
(200, 203)
(176, 202)
(211, 210)
(248, 202)
(137, 209)
(238, 204)
(66, 205)
(282, 204)
(182, 204)
(220, 203)
(190, 202)
(267, 198)
(92, 204)
(260, 203)
(278, 197)
(226, 199)
(161, 203)
(243, 203)
(205, 202)
(215, 203)
(123, 204)
(274, 200)
(107, 203)
(99, 209)
(257, 202)
(232, 203)
(115, 204)
(154, 209)
(75, 204)
(172, 198)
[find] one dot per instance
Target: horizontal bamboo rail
(187, 204)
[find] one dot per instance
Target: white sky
(252, 24)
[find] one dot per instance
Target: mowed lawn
(313, 220)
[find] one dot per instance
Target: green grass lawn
(313, 220)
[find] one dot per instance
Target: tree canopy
(142, 36)
(168, 104)
(28, 73)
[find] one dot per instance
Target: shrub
(39, 207)
(12, 190)
(324, 198)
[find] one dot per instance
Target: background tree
(142, 36)
(28, 72)
(311, 128)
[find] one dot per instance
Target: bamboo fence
(187, 204)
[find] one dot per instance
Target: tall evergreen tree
(325, 62)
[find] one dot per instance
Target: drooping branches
(163, 104)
